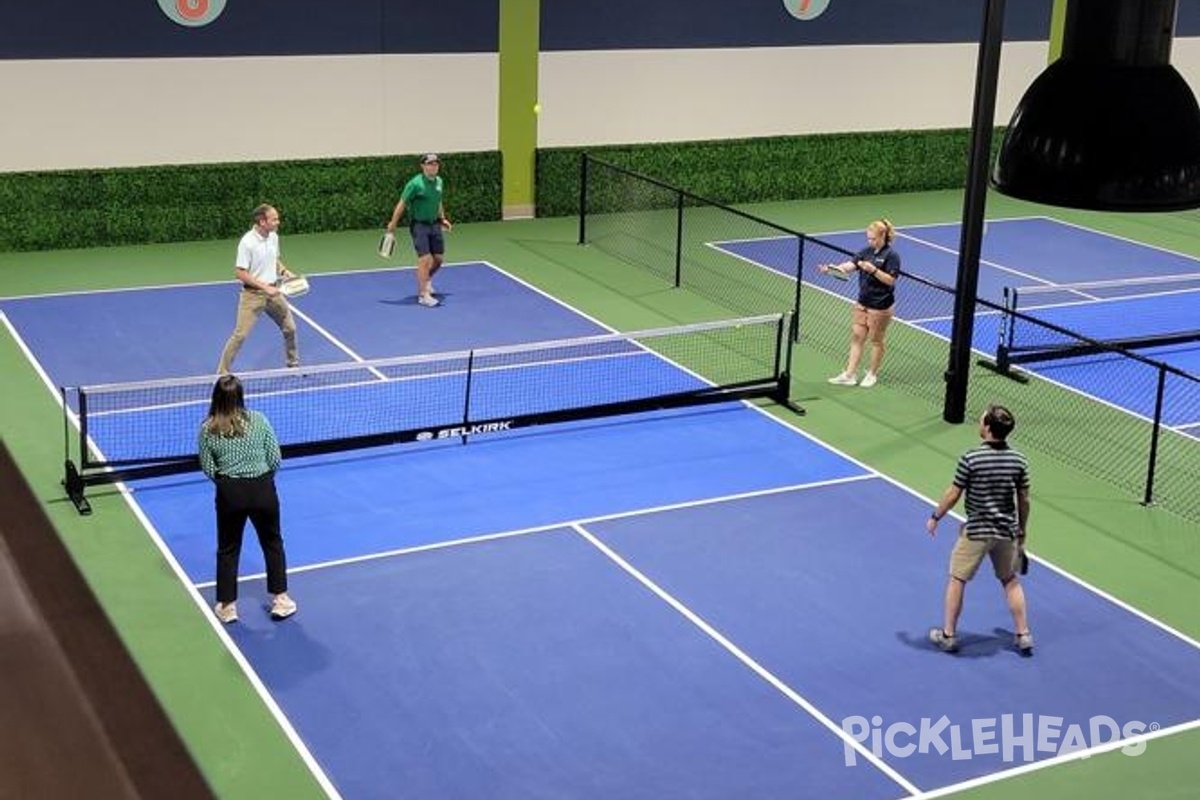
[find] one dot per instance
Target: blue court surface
(700, 603)
(1042, 253)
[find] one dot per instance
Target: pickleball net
(1097, 317)
(142, 429)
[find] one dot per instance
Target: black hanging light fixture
(1111, 125)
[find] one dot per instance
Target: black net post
(678, 239)
(795, 325)
(1155, 429)
(583, 193)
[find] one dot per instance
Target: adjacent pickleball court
(1138, 295)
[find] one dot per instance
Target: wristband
(935, 517)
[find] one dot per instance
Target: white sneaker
(428, 300)
(282, 606)
(869, 380)
(843, 379)
(226, 612)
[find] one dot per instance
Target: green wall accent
(518, 125)
(1058, 20)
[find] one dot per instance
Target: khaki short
(874, 320)
(968, 555)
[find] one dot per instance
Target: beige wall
(107, 113)
(640, 96)
(103, 113)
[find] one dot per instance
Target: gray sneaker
(1024, 643)
(843, 379)
(947, 644)
(428, 300)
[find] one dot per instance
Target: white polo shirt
(259, 256)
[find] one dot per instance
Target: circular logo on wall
(192, 13)
(803, 9)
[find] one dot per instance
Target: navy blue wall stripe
(142, 28)
(619, 24)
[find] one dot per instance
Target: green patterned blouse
(248, 456)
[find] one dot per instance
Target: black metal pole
(583, 192)
(974, 209)
(795, 328)
(1160, 393)
(679, 240)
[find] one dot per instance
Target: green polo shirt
(423, 196)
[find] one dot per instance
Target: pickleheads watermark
(1015, 737)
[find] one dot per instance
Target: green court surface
(1146, 557)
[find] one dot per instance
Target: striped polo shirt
(991, 475)
(249, 456)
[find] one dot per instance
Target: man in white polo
(260, 269)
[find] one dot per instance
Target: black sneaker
(947, 644)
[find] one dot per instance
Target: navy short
(427, 238)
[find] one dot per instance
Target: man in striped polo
(995, 479)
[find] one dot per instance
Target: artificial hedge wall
(92, 208)
(777, 168)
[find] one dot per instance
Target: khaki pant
(251, 304)
(968, 555)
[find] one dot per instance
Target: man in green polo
(422, 196)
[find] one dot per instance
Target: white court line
(927, 320)
(338, 343)
(742, 656)
(255, 681)
(159, 287)
(555, 526)
(716, 246)
(918, 226)
(1091, 301)
(1118, 238)
(1055, 761)
(983, 261)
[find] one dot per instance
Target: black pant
(255, 499)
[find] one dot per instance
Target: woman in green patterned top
(239, 453)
